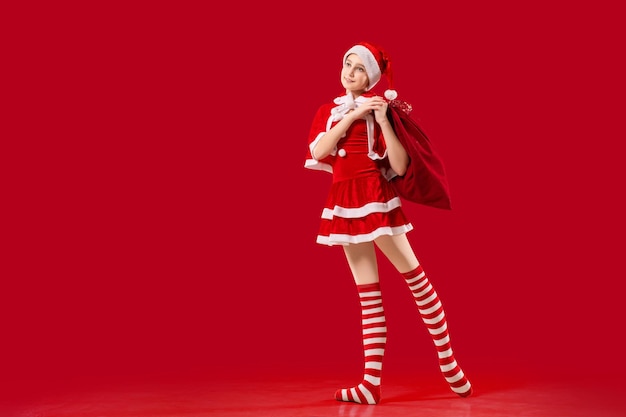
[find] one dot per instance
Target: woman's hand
(380, 111)
(375, 104)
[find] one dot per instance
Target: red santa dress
(361, 204)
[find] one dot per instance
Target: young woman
(353, 139)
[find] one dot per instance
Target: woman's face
(353, 75)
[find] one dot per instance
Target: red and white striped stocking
(434, 318)
(374, 340)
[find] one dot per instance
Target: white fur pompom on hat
(376, 63)
(391, 94)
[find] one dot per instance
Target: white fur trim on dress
(358, 212)
(340, 239)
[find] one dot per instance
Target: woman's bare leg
(399, 252)
(362, 260)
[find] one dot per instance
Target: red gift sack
(425, 180)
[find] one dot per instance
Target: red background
(159, 220)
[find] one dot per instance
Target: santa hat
(376, 64)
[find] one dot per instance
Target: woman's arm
(329, 140)
(398, 157)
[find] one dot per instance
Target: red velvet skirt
(360, 210)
